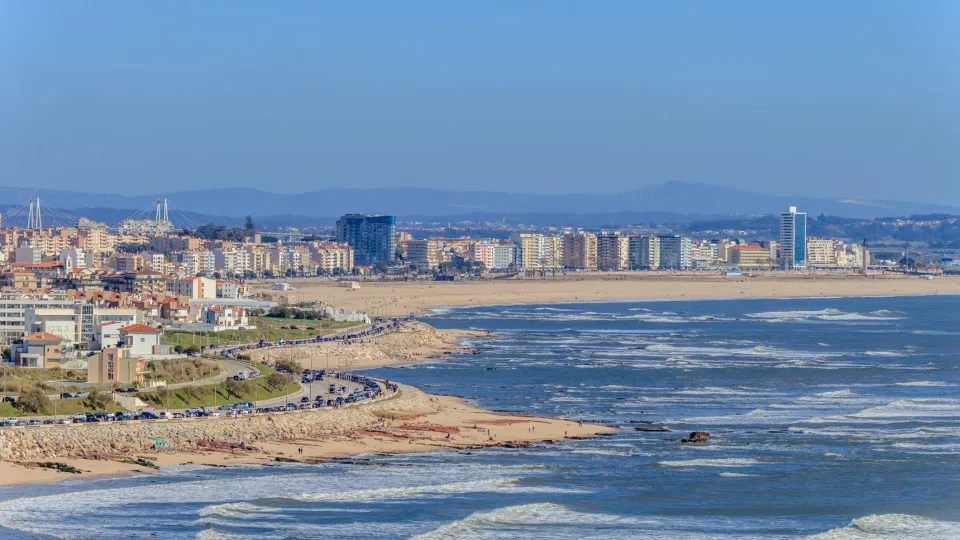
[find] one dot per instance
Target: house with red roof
(38, 350)
(141, 339)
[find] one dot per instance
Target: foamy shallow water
(830, 417)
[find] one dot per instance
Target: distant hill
(670, 198)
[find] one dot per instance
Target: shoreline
(408, 421)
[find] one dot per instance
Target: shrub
(33, 399)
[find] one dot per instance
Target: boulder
(696, 437)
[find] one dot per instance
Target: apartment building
(142, 282)
(371, 236)
(648, 255)
(155, 261)
(539, 252)
(580, 251)
(195, 288)
(14, 305)
(126, 262)
(425, 254)
(73, 258)
(749, 256)
(823, 252)
(613, 251)
(674, 252)
(335, 257)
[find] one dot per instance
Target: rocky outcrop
(79, 440)
(696, 437)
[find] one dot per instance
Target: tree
(249, 226)
(276, 381)
(289, 272)
(288, 365)
(234, 387)
(95, 400)
(33, 399)
(178, 349)
(381, 267)
(398, 254)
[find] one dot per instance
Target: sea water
(832, 417)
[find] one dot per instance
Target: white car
(64, 421)
(213, 413)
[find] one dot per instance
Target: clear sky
(823, 98)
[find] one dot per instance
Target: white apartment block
(73, 258)
(820, 252)
(196, 288)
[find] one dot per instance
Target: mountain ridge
(673, 197)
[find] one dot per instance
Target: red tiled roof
(140, 329)
(42, 336)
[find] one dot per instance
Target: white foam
(893, 526)
(502, 522)
(820, 315)
(723, 462)
(499, 485)
(738, 475)
(923, 383)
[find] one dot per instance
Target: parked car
(304, 399)
(9, 399)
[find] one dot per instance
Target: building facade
(674, 252)
(370, 236)
(793, 239)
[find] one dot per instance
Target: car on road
(9, 399)
(65, 421)
(304, 399)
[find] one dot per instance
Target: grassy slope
(203, 396)
(268, 326)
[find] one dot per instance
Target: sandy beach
(394, 298)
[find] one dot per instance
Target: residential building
(580, 251)
(335, 258)
(28, 254)
(73, 258)
(116, 365)
(793, 238)
(232, 261)
(143, 282)
(425, 254)
(38, 350)
(126, 262)
(154, 261)
(370, 235)
(505, 256)
(823, 252)
(225, 317)
(674, 252)
(230, 289)
(140, 338)
(749, 256)
(613, 251)
(539, 252)
(14, 305)
(196, 288)
(60, 322)
(107, 334)
(649, 255)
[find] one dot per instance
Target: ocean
(828, 416)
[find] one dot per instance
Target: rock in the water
(697, 437)
(657, 429)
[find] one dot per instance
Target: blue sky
(822, 98)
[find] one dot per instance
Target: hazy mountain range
(677, 201)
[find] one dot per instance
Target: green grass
(268, 326)
(65, 407)
(203, 396)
